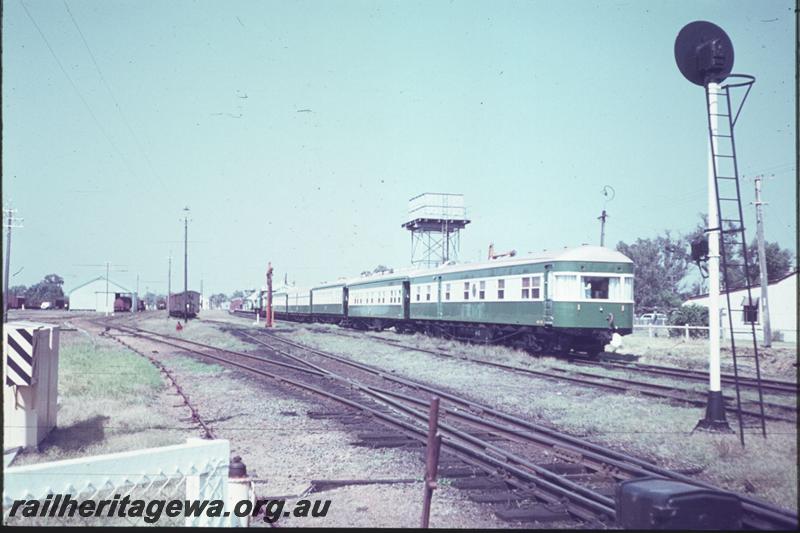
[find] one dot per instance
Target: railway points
(584, 504)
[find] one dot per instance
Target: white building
(96, 295)
(782, 295)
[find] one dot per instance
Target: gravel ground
(284, 450)
(647, 427)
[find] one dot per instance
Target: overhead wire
(113, 98)
(77, 91)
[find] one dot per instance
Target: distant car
(654, 318)
(45, 305)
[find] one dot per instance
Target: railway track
(778, 412)
(470, 430)
(700, 376)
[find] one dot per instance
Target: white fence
(663, 330)
(741, 333)
(197, 470)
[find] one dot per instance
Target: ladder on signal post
(730, 222)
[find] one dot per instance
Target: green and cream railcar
(378, 302)
(557, 301)
(328, 302)
(572, 299)
(280, 303)
(299, 303)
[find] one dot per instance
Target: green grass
(193, 366)
(110, 400)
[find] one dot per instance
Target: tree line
(666, 276)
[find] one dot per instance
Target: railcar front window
(627, 292)
(596, 288)
(566, 287)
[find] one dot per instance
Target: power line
(75, 87)
(113, 98)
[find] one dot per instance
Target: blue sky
(528, 108)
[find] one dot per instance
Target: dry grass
(647, 427)
(776, 362)
(110, 400)
(194, 330)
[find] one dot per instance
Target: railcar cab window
(596, 288)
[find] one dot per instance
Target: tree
(47, 290)
(689, 315)
(237, 294)
(780, 261)
(216, 300)
(151, 299)
(17, 290)
(380, 269)
(660, 266)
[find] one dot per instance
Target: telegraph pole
(107, 267)
(10, 222)
(136, 299)
(268, 317)
(169, 285)
(602, 219)
(609, 193)
(185, 265)
(762, 265)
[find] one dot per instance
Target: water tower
(435, 221)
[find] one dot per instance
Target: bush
(689, 315)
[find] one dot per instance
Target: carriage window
(447, 291)
(482, 292)
(532, 287)
(595, 288)
(428, 293)
(501, 289)
(466, 290)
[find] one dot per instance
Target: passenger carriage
(572, 299)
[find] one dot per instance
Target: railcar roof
(589, 253)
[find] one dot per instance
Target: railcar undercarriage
(534, 339)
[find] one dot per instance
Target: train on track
(184, 304)
(573, 299)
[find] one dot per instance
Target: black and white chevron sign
(18, 348)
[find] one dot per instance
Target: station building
(92, 295)
(782, 309)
